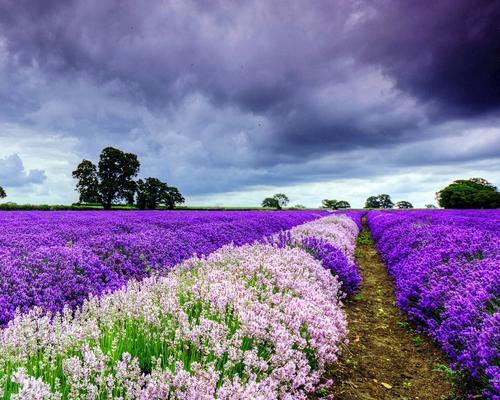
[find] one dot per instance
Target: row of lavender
(446, 266)
(259, 321)
(56, 258)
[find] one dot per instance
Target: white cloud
(13, 173)
(35, 166)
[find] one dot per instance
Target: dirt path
(385, 359)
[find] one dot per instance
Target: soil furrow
(385, 359)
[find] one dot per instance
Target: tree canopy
(152, 193)
(116, 170)
(403, 204)
(278, 201)
(87, 182)
(380, 201)
(270, 202)
(3, 194)
(110, 181)
(335, 204)
(469, 193)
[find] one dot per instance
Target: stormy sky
(232, 101)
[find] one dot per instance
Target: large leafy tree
(174, 197)
(372, 202)
(335, 204)
(152, 193)
(3, 194)
(270, 202)
(278, 201)
(469, 193)
(87, 183)
(403, 204)
(380, 201)
(385, 201)
(116, 172)
(111, 180)
(282, 200)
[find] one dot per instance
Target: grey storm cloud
(222, 95)
(260, 54)
(446, 51)
(13, 173)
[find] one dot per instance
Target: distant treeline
(111, 183)
(58, 207)
(124, 207)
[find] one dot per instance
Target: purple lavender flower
(336, 261)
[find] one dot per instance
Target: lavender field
(249, 200)
(172, 305)
(58, 258)
(228, 305)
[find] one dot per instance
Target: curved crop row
(332, 243)
(252, 322)
(446, 270)
(52, 259)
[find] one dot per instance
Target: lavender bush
(446, 267)
(334, 260)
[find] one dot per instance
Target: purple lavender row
(331, 241)
(446, 267)
(59, 258)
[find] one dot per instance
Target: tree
(328, 203)
(152, 193)
(270, 202)
(282, 200)
(3, 195)
(173, 198)
(336, 204)
(343, 205)
(430, 206)
(469, 193)
(116, 172)
(87, 182)
(149, 192)
(380, 201)
(278, 201)
(372, 202)
(404, 204)
(112, 180)
(385, 201)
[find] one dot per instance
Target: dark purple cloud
(445, 51)
(257, 54)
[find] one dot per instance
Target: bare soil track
(385, 360)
